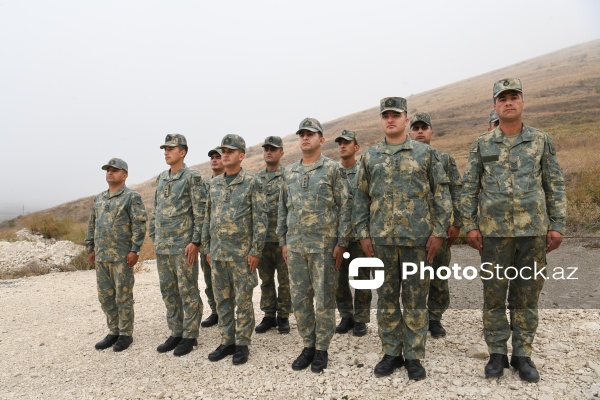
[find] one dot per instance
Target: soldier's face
(115, 176)
(231, 157)
(509, 105)
(421, 132)
(393, 123)
(272, 154)
(347, 148)
(215, 162)
(173, 155)
(309, 141)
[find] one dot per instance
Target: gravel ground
(49, 325)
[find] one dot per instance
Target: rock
(477, 351)
(593, 366)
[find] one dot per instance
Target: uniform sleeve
(554, 188)
(282, 213)
(361, 202)
(198, 198)
(455, 190)
(343, 198)
(442, 203)
(138, 217)
(151, 224)
(206, 226)
(471, 188)
(259, 218)
(89, 238)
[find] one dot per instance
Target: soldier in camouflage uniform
(438, 301)
(217, 168)
(176, 229)
(494, 120)
(272, 259)
(514, 210)
(116, 231)
(234, 232)
(355, 315)
(313, 230)
(397, 179)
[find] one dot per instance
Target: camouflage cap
(493, 116)
(116, 163)
(310, 124)
(507, 84)
(274, 141)
(215, 150)
(346, 135)
(420, 117)
(174, 140)
(234, 142)
(397, 104)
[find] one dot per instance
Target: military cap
(507, 84)
(274, 141)
(420, 117)
(174, 140)
(493, 116)
(397, 104)
(346, 135)
(310, 124)
(234, 142)
(116, 163)
(215, 150)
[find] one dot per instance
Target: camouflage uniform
(391, 207)
(360, 309)
(235, 226)
(272, 258)
(312, 219)
(117, 226)
(514, 194)
(206, 270)
(176, 221)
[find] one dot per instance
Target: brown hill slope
(562, 97)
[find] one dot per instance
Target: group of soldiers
(403, 201)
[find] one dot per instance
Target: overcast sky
(84, 81)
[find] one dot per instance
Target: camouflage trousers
(313, 281)
(234, 284)
(115, 291)
(210, 295)
(272, 302)
(399, 330)
(520, 253)
(179, 288)
(360, 310)
(439, 293)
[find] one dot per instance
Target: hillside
(562, 97)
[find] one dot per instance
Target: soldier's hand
(433, 246)
(475, 239)
(208, 259)
(338, 255)
(191, 251)
(553, 240)
(284, 253)
(132, 259)
(92, 257)
(367, 247)
(252, 262)
(452, 233)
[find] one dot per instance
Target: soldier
(394, 222)
(272, 258)
(217, 168)
(175, 229)
(234, 232)
(116, 231)
(494, 120)
(354, 316)
(514, 210)
(313, 231)
(438, 301)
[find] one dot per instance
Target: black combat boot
(241, 355)
(319, 363)
(495, 366)
(526, 368)
(345, 325)
(123, 343)
(185, 346)
(211, 320)
(387, 365)
(436, 329)
(416, 372)
(283, 325)
(360, 329)
(266, 324)
(221, 352)
(304, 359)
(169, 344)
(107, 342)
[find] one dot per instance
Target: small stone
(477, 351)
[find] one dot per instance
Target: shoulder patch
(551, 148)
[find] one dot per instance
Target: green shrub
(48, 226)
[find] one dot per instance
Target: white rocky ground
(49, 324)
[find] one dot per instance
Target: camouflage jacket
(178, 214)
(455, 185)
(235, 224)
(117, 225)
(512, 190)
(314, 207)
(272, 188)
(394, 192)
(351, 175)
